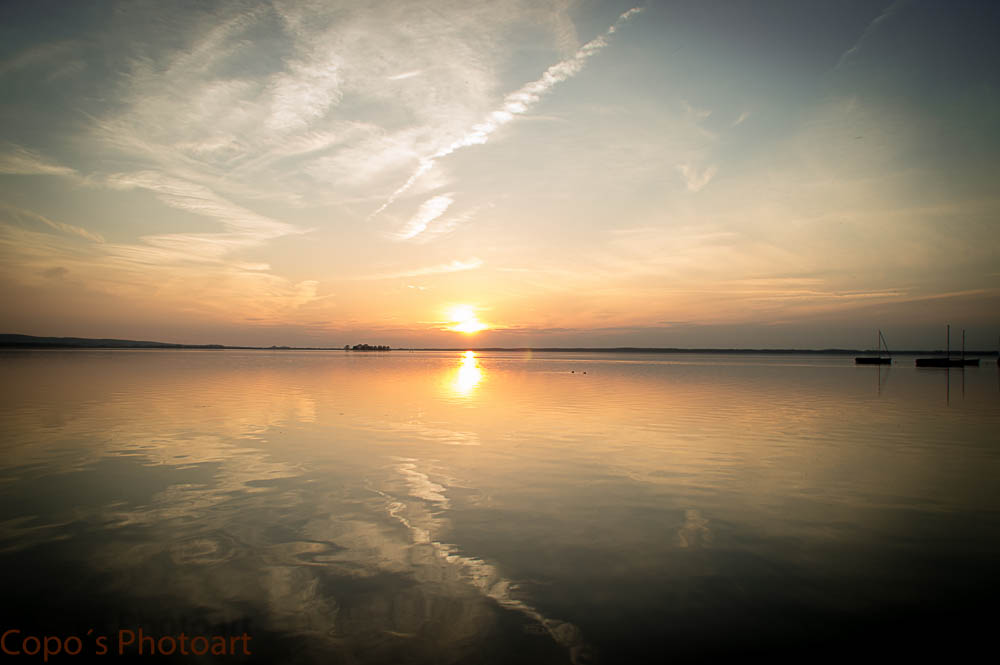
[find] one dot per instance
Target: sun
(463, 319)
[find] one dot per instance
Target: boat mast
(884, 343)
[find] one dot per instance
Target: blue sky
(788, 174)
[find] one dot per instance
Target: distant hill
(32, 342)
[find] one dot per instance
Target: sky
(772, 174)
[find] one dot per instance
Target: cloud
(696, 179)
(16, 160)
(269, 100)
(695, 114)
(195, 198)
(872, 27)
(405, 75)
(444, 225)
(430, 210)
(306, 291)
(304, 93)
(27, 215)
(514, 104)
(741, 119)
(453, 266)
(243, 228)
(430, 222)
(41, 54)
(57, 272)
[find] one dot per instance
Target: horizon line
(16, 340)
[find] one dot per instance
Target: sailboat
(948, 361)
(879, 359)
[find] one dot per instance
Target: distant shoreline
(11, 341)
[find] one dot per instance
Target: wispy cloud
(872, 27)
(16, 160)
(696, 179)
(514, 104)
(430, 210)
(304, 93)
(405, 75)
(300, 104)
(431, 221)
(694, 113)
(341, 96)
(446, 224)
(40, 54)
(69, 229)
(453, 266)
(195, 198)
(242, 228)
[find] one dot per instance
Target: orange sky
(564, 174)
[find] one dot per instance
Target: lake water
(434, 507)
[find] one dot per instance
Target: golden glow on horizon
(464, 320)
(468, 376)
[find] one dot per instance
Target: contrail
(516, 103)
(889, 11)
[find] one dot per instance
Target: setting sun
(464, 320)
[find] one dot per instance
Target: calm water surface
(551, 508)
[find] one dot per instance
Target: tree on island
(368, 347)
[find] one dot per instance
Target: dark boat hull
(947, 362)
(865, 360)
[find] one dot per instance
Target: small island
(366, 347)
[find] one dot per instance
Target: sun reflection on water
(468, 375)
